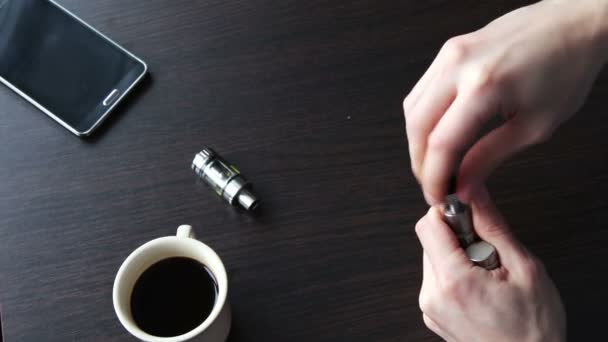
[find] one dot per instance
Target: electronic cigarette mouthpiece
(458, 217)
(224, 178)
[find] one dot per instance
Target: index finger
(449, 140)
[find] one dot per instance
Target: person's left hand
(464, 303)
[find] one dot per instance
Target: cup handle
(185, 231)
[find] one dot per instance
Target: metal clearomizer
(458, 216)
(224, 178)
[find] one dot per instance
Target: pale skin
(461, 302)
(534, 66)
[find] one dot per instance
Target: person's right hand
(535, 66)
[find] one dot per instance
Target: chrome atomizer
(224, 178)
(458, 216)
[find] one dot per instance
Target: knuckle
(532, 270)
(495, 230)
(455, 49)
(414, 121)
(439, 142)
(425, 303)
(405, 105)
(480, 79)
(419, 226)
(456, 290)
(427, 323)
(537, 134)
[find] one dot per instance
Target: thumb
(491, 226)
(441, 245)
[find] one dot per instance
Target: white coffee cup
(217, 325)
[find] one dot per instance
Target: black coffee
(173, 296)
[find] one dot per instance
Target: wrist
(598, 26)
(587, 26)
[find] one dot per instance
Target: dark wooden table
(305, 96)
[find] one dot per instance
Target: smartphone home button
(113, 96)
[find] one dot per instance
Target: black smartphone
(62, 65)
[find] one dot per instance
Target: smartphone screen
(63, 66)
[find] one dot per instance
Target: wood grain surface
(305, 97)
